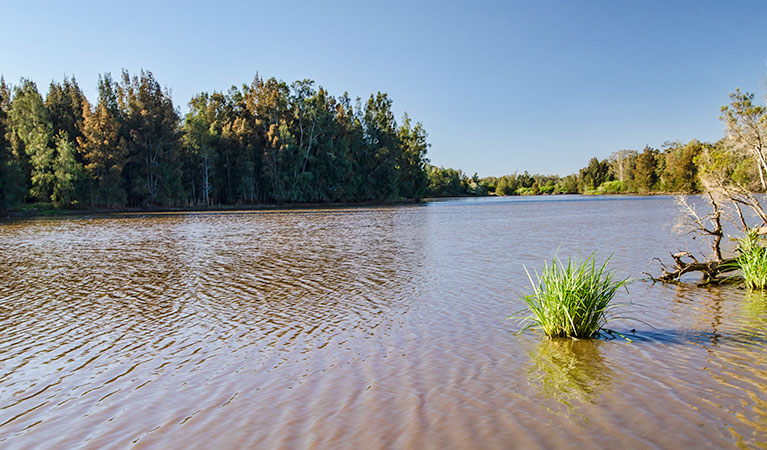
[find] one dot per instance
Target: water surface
(364, 328)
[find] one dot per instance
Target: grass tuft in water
(752, 261)
(572, 299)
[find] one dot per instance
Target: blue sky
(500, 86)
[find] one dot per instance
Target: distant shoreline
(45, 210)
(48, 211)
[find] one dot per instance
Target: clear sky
(500, 86)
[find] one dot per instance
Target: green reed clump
(752, 261)
(571, 300)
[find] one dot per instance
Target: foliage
(612, 187)
(752, 261)
(12, 184)
(267, 141)
(571, 300)
(593, 175)
(446, 182)
(646, 172)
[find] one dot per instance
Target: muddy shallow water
(364, 328)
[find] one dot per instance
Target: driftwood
(710, 269)
(684, 262)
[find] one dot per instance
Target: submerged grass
(752, 261)
(570, 300)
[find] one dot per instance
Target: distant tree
(507, 185)
(199, 139)
(412, 162)
(153, 170)
(446, 182)
(567, 185)
(382, 150)
(68, 172)
(596, 173)
(64, 104)
(103, 149)
(747, 129)
(33, 132)
(680, 173)
(12, 184)
(646, 172)
(622, 165)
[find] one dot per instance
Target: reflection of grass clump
(571, 300)
(569, 371)
(752, 261)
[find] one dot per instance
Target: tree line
(671, 169)
(738, 159)
(273, 142)
(263, 142)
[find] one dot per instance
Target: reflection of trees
(570, 371)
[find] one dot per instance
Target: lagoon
(368, 327)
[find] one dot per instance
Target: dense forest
(265, 142)
(272, 142)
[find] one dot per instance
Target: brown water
(363, 328)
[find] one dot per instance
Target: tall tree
(33, 131)
(153, 170)
(596, 173)
(103, 149)
(646, 172)
(747, 129)
(68, 173)
(64, 104)
(12, 184)
(412, 161)
(680, 173)
(381, 151)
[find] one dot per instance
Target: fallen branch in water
(710, 269)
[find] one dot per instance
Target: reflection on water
(569, 370)
(363, 328)
(755, 307)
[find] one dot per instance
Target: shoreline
(42, 210)
(31, 212)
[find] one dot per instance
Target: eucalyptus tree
(746, 125)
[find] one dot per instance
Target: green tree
(507, 185)
(414, 181)
(64, 104)
(646, 172)
(446, 182)
(200, 136)
(68, 172)
(153, 170)
(381, 151)
(12, 186)
(33, 131)
(747, 129)
(103, 149)
(593, 175)
(680, 173)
